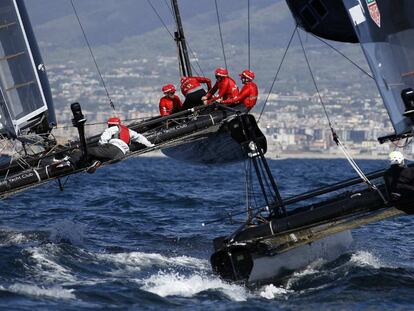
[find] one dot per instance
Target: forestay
(24, 89)
(386, 32)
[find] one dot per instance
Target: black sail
(325, 18)
(386, 32)
(25, 97)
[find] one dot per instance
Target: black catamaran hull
(224, 132)
(271, 251)
(221, 143)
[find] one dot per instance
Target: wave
(46, 265)
(40, 291)
(271, 292)
(135, 261)
(366, 259)
(67, 231)
(166, 284)
(8, 238)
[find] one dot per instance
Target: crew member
(248, 93)
(114, 143)
(399, 179)
(169, 103)
(193, 91)
(225, 85)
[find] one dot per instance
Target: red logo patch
(374, 12)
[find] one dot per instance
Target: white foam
(271, 291)
(14, 238)
(365, 259)
(135, 261)
(310, 269)
(173, 284)
(33, 290)
(46, 266)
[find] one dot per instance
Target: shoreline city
(294, 123)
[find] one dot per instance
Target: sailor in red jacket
(248, 94)
(226, 86)
(169, 103)
(193, 91)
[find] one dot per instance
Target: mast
(184, 60)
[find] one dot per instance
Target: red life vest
(123, 134)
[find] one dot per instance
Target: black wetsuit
(194, 99)
(104, 152)
(400, 180)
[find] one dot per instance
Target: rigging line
(269, 189)
(98, 123)
(314, 82)
(248, 33)
(169, 8)
(172, 36)
(221, 34)
(93, 56)
(247, 186)
(230, 215)
(343, 55)
(335, 136)
(359, 171)
(160, 18)
(277, 72)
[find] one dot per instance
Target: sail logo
(374, 11)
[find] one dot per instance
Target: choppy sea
(130, 237)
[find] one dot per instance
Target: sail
(386, 30)
(25, 97)
(325, 18)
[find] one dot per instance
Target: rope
(221, 34)
(99, 123)
(172, 36)
(358, 170)
(248, 33)
(277, 72)
(335, 136)
(343, 55)
(169, 7)
(314, 82)
(93, 56)
(247, 188)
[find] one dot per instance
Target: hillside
(121, 31)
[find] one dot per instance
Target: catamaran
(276, 238)
(280, 237)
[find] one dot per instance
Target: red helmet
(248, 74)
(169, 88)
(221, 72)
(114, 121)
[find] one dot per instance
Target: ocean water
(131, 237)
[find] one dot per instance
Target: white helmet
(396, 157)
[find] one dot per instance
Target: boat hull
(218, 139)
(269, 268)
